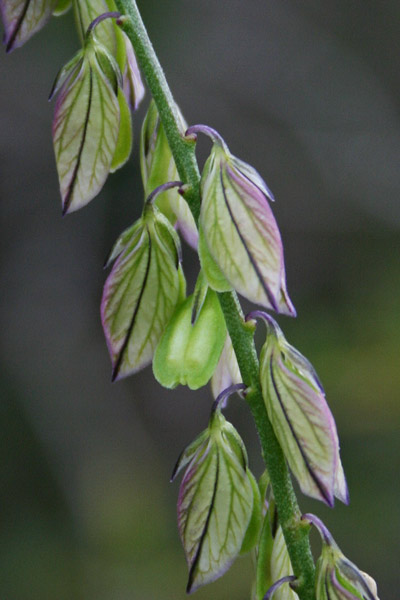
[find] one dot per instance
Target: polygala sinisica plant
(225, 214)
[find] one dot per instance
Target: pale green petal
(158, 167)
(188, 352)
(62, 7)
(106, 32)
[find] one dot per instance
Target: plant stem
(183, 150)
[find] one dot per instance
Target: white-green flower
(239, 229)
(216, 501)
(337, 578)
(300, 416)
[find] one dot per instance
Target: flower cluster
(147, 316)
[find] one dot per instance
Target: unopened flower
(216, 515)
(240, 231)
(337, 578)
(188, 352)
(157, 166)
(142, 291)
(300, 416)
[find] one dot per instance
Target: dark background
(307, 92)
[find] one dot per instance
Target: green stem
(183, 150)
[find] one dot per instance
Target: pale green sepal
(106, 31)
(199, 296)
(124, 142)
(253, 530)
(188, 453)
(188, 353)
(139, 297)
(62, 7)
(301, 418)
(266, 542)
(122, 242)
(281, 567)
(182, 285)
(107, 63)
(66, 72)
(263, 484)
(215, 278)
(85, 132)
(214, 508)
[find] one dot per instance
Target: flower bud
(142, 291)
(157, 167)
(92, 132)
(189, 349)
(300, 417)
(337, 578)
(240, 231)
(216, 501)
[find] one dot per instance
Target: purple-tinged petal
(133, 87)
(23, 18)
(253, 177)
(227, 372)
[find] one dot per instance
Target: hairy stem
(183, 150)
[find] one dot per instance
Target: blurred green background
(308, 92)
